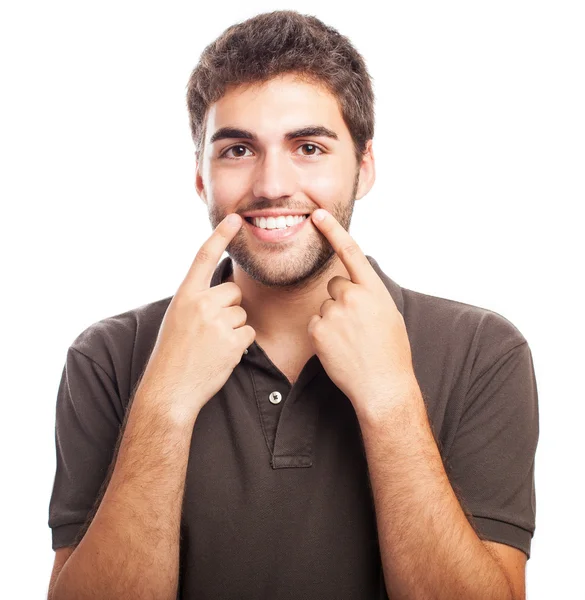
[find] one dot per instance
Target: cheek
(227, 183)
(226, 191)
(324, 188)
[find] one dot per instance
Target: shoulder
(476, 334)
(123, 339)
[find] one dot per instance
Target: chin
(290, 271)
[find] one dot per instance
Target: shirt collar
(225, 268)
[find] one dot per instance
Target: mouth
(251, 220)
(276, 233)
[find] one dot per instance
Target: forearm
(131, 548)
(429, 550)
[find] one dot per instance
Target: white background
(480, 157)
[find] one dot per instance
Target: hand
(202, 335)
(360, 336)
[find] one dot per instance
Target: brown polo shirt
(277, 500)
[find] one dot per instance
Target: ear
(367, 172)
(199, 187)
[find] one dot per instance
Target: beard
(299, 264)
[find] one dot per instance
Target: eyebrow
(311, 131)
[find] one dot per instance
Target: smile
(276, 234)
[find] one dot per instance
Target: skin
(283, 283)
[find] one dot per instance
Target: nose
(275, 176)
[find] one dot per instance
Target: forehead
(273, 107)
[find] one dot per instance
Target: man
(292, 423)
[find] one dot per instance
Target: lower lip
(276, 235)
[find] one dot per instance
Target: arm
(131, 548)
(428, 547)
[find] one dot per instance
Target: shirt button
(275, 397)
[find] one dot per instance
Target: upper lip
(275, 212)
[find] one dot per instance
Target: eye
(224, 153)
(307, 145)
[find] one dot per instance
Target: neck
(277, 314)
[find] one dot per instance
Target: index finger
(358, 266)
(199, 276)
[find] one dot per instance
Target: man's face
(272, 172)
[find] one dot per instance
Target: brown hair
(279, 42)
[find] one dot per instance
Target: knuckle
(336, 311)
(232, 289)
(220, 332)
(349, 250)
(202, 255)
(202, 304)
(316, 330)
(182, 302)
(350, 297)
(237, 291)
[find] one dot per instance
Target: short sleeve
(87, 424)
(491, 461)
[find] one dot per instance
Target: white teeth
(280, 222)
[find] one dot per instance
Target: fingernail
(319, 214)
(233, 219)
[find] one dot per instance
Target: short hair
(283, 42)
